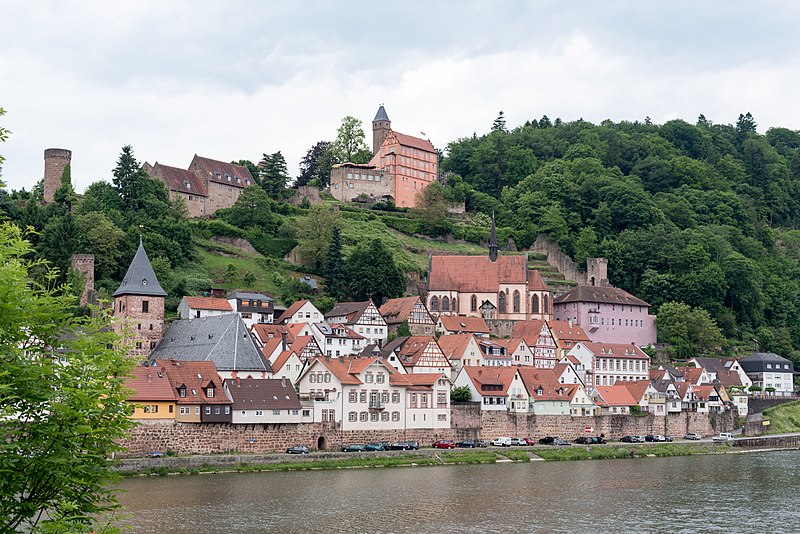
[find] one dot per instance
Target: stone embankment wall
(769, 442)
(468, 421)
(557, 258)
(500, 327)
(759, 404)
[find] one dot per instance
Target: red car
(444, 444)
(529, 441)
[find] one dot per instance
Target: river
(753, 492)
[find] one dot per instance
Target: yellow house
(153, 397)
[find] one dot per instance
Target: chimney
(283, 381)
(149, 377)
(283, 341)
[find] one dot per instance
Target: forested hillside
(704, 214)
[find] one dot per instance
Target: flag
(423, 133)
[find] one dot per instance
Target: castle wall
(84, 264)
(350, 182)
(468, 422)
(195, 204)
(557, 258)
(55, 160)
(220, 196)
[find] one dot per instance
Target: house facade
(492, 386)
(768, 370)
(152, 397)
(198, 307)
(253, 308)
(610, 362)
(301, 311)
(410, 310)
(416, 354)
(198, 390)
(362, 317)
(271, 401)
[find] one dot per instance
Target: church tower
(139, 306)
(493, 248)
(380, 127)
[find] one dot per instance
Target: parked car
(502, 442)
(518, 441)
(374, 447)
(583, 440)
(650, 437)
(693, 435)
(298, 449)
(354, 448)
(529, 441)
(444, 444)
(547, 440)
(481, 443)
(667, 438)
(723, 437)
(413, 445)
(598, 440)
(467, 444)
(558, 442)
(632, 439)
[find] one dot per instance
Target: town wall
(310, 192)
(558, 259)
(84, 264)
(345, 188)
(468, 421)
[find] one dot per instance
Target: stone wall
(758, 404)
(306, 191)
(468, 421)
(558, 259)
(345, 188)
(500, 327)
(142, 327)
(84, 264)
(237, 242)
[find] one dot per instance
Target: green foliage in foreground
(783, 419)
(62, 401)
(619, 452)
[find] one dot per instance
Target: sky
(233, 80)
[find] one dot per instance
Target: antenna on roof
(141, 229)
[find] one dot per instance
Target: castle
(401, 167)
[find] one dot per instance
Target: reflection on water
(687, 494)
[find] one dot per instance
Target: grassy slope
(783, 419)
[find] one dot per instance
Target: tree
(349, 144)
(404, 329)
(273, 174)
(316, 165)
(499, 124)
(250, 167)
(431, 207)
(253, 209)
(249, 279)
(314, 237)
(460, 394)
(60, 422)
(689, 330)
(129, 179)
(374, 274)
(335, 274)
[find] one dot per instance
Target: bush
(208, 229)
(276, 247)
(460, 394)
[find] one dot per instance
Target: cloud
(234, 80)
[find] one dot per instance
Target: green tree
(403, 329)
(689, 330)
(314, 236)
(431, 206)
(273, 174)
(60, 422)
(349, 144)
(253, 209)
(374, 274)
(460, 394)
(249, 279)
(129, 179)
(335, 273)
(499, 124)
(252, 167)
(316, 165)
(230, 273)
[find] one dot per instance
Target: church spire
(493, 248)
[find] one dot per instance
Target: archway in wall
(321, 443)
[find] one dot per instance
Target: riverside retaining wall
(468, 422)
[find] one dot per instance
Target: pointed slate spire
(140, 278)
(381, 115)
(493, 248)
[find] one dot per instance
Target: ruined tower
(597, 271)
(139, 306)
(381, 125)
(84, 264)
(55, 161)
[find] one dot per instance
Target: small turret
(380, 127)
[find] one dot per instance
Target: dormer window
(182, 392)
(210, 393)
(186, 184)
(539, 390)
(238, 180)
(144, 281)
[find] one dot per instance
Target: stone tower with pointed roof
(380, 127)
(139, 306)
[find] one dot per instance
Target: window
(208, 410)
(516, 301)
(363, 417)
(210, 393)
(185, 410)
(227, 410)
(197, 410)
(353, 397)
(368, 378)
(259, 413)
(182, 392)
(445, 304)
(379, 378)
(327, 377)
(352, 417)
(501, 302)
(395, 397)
(395, 416)
(434, 303)
(145, 303)
(363, 396)
(473, 303)
(535, 304)
(276, 412)
(373, 417)
(545, 304)
(384, 416)
(312, 378)
(442, 417)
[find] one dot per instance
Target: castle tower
(380, 127)
(597, 271)
(493, 248)
(84, 264)
(139, 306)
(55, 161)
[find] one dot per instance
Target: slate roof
(351, 310)
(222, 339)
(602, 294)
(257, 394)
(476, 274)
(241, 295)
(310, 282)
(381, 114)
(140, 278)
(757, 361)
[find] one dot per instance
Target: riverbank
(195, 465)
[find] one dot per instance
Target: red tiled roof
(180, 180)
(703, 392)
(636, 388)
(562, 330)
(477, 274)
(729, 378)
(616, 350)
(414, 142)
(270, 346)
(616, 395)
(281, 360)
(463, 324)
(264, 332)
(208, 303)
(195, 376)
(692, 374)
(502, 376)
(536, 282)
(294, 308)
(547, 380)
(510, 344)
(301, 342)
(147, 385)
(454, 345)
(398, 310)
(528, 330)
(213, 167)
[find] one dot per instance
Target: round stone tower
(55, 160)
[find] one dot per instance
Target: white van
(502, 442)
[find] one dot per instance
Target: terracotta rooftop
(636, 388)
(208, 303)
(150, 384)
(536, 282)
(493, 376)
(477, 274)
(219, 171)
(294, 308)
(563, 330)
(454, 345)
(196, 377)
(616, 395)
(616, 350)
(543, 384)
(396, 311)
(181, 180)
(463, 324)
(414, 142)
(528, 330)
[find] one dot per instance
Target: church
(491, 287)
(401, 166)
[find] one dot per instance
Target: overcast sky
(232, 80)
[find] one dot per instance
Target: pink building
(607, 314)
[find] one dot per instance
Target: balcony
(517, 396)
(376, 406)
(594, 310)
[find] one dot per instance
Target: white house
(257, 401)
(416, 354)
(253, 308)
(772, 373)
(337, 339)
(612, 362)
(363, 317)
(197, 307)
(288, 365)
(518, 351)
(461, 350)
(301, 311)
(489, 385)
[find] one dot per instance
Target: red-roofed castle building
(401, 166)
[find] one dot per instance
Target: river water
(753, 492)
